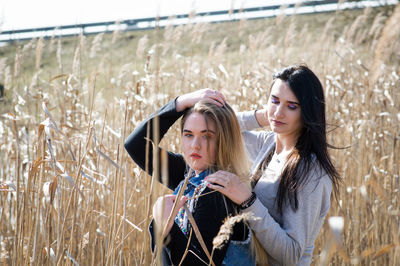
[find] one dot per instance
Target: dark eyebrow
(203, 131)
(288, 101)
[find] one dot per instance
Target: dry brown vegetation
(69, 194)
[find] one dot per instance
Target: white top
(289, 238)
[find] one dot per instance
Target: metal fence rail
(150, 22)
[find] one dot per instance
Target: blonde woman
(211, 141)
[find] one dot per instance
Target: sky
(22, 14)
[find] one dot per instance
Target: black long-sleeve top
(211, 209)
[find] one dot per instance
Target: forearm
(294, 236)
(139, 143)
(182, 103)
(281, 246)
(136, 142)
(262, 118)
(248, 120)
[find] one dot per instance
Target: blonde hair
(231, 154)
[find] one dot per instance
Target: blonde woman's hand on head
(230, 185)
(162, 209)
(190, 99)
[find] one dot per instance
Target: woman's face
(284, 112)
(199, 142)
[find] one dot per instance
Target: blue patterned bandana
(195, 185)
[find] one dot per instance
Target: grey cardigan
(289, 238)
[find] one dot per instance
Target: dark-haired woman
(293, 176)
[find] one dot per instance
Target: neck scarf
(195, 187)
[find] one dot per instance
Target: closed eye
(291, 105)
(208, 136)
(274, 100)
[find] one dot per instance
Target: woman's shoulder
(317, 176)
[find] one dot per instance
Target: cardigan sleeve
(254, 140)
(136, 142)
(286, 243)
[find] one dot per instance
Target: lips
(195, 156)
(277, 123)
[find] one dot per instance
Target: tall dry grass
(69, 192)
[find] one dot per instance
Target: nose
(196, 145)
(279, 112)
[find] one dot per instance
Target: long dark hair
(312, 140)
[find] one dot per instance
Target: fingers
(223, 181)
(182, 202)
(212, 96)
(190, 99)
(218, 184)
(221, 176)
(215, 97)
(219, 180)
(229, 185)
(216, 102)
(171, 198)
(165, 204)
(223, 96)
(215, 186)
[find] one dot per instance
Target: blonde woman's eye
(273, 100)
(209, 136)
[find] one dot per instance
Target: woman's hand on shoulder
(162, 209)
(188, 100)
(230, 185)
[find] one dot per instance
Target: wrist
(248, 202)
(260, 117)
(179, 104)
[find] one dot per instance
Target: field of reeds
(70, 194)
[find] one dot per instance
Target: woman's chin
(198, 170)
(197, 165)
(276, 130)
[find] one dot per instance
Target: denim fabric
(239, 253)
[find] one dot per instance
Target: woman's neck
(284, 143)
(198, 172)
